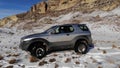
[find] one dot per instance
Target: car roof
(70, 24)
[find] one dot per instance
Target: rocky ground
(105, 28)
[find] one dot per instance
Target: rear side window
(83, 27)
(64, 29)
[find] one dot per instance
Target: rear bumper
(91, 46)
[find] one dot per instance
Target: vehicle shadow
(62, 50)
(59, 50)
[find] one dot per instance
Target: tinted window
(83, 27)
(64, 29)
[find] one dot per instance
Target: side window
(57, 30)
(83, 27)
(64, 29)
(71, 29)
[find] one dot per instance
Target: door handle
(67, 34)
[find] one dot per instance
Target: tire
(81, 48)
(38, 52)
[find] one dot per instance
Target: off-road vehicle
(59, 37)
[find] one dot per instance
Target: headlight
(27, 39)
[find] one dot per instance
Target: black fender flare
(39, 40)
(76, 39)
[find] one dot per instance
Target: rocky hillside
(58, 7)
(101, 16)
(105, 31)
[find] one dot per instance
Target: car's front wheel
(81, 48)
(38, 51)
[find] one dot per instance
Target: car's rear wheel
(81, 48)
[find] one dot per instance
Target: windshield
(49, 29)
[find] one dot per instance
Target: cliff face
(52, 6)
(56, 5)
(100, 4)
(39, 8)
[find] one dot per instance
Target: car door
(62, 37)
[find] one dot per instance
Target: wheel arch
(81, 39)
(38, 41)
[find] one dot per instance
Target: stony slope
(105, 34)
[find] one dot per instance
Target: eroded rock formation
(52, 6)
(39, 8)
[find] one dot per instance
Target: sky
(12, 7)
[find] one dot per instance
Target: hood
(35, 35)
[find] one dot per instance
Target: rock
(52, 60)
(104, 51)
(114, 46)
(109, 5)
(100, 67)
(9, 66)
(1, 57)
(54, 5)
(39, 8)
(64, 4)
(57, 5)
(15, 55)
(42, 63)
(105, 5)
(56, 65)
(68, 60)
(13, 18)
(4, 21)
(12, 61)
(77, 62)
(33, 59)
(1, 65)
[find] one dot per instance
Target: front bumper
(24, 45)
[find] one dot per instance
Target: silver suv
(59, 37)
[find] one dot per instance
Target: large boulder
(5, 20)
